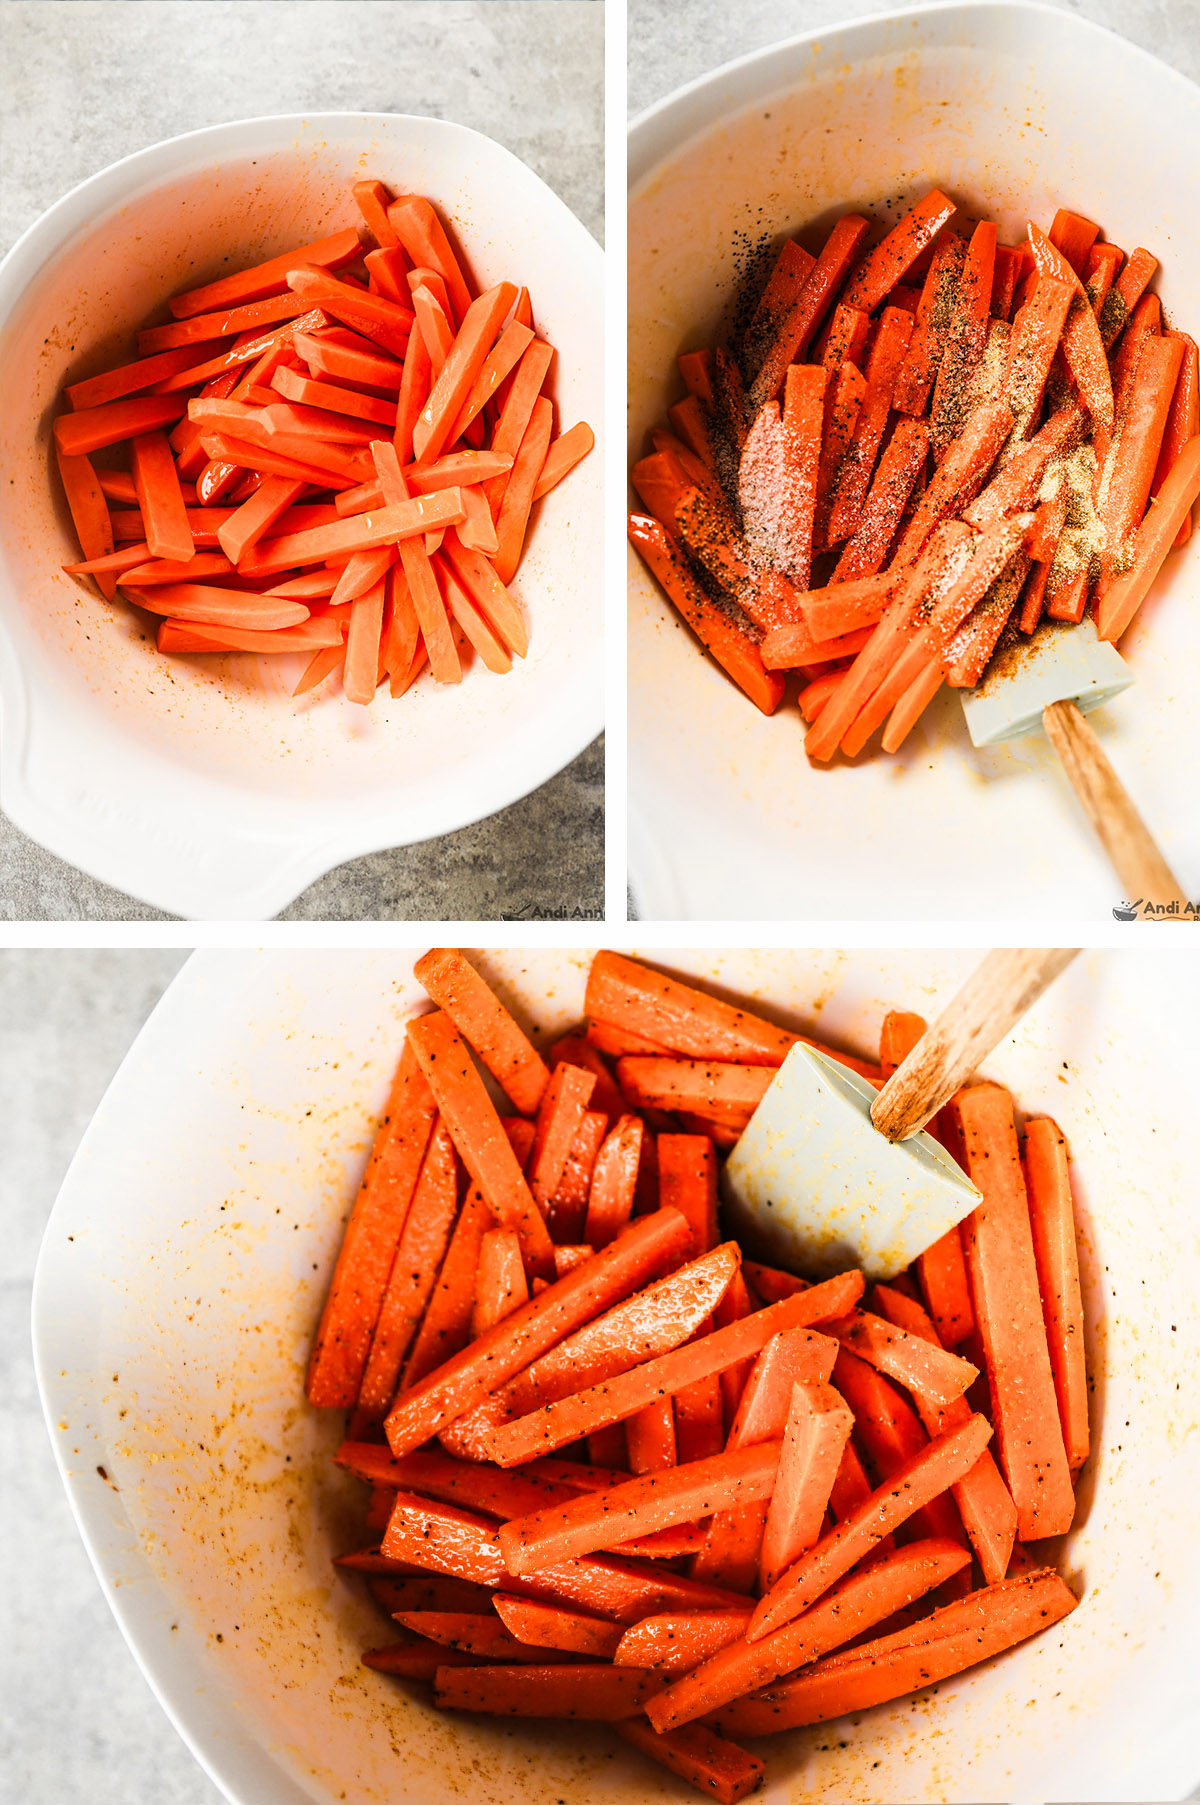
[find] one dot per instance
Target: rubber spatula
(1047, 683)
(830, 1174)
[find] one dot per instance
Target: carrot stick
(513, 516)
(635, 1257)
(386, 323)
(1000, 1258)
(567, 1211)
(515, 415)
(424, 238)
(446, 1325)
(883, 364)
(560, 1114)
(474, 1633)
(78, 434)
(500, 1285)
(614, 1181)
(586, 1693)
(426, 1592)
(1073, 236)
(810, 306)
(483, 1021)
(921, 1479)
(442, 1538)
(965, 337)
(956, 1637)
(465, 1483)
(682, 1020)
(361, 672)
(1036, 333)
(195, 603)
(601, 1520)
(959, 475)
(365, 1261)
(845, 338)
(675, 1643)
(1125, 293)
(732, 645)
(1183, 421)
(846, 605)
(112, 385)
(816, 1431)
(480, 325)
(865, 1598)
(866, 549)
(425, 513)
(566, 1419)
(717, 1768)
(890, 261)
(891, 1432)
(1052, 1222)
(802, 422)
(268, 278)
(687, 1176)
(569, 449)
(89, 513)
(417, 1660)
(159, 571)
(198, 636)
(704, 1087)
(1153, 540)
(1124, 487)
(481, 1142)
(1082, 346)
(224, 323)
(550, 1626)
(783, 285)
(984, 1502)
(920, 1368)
(927, 346)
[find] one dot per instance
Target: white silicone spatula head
(830, 1175)
(814, 1187)
(1061, 662)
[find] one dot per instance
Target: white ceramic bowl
(200, 785)
(184, 1265)
(997, 104)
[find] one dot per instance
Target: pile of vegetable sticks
(335, 452)
(620, 1472)
(913, 453)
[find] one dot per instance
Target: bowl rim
(294, 855)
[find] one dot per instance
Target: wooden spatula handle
(1122, 832)
(992, 999)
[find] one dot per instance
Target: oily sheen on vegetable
(337, 451)
(618, 1471)
(908, 456)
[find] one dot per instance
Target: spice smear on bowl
(336, 452)
(874, 397)
(621, 1471)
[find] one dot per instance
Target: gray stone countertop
(672, 42)
(529, 73)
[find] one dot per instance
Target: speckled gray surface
(672, 42)
(529, 73)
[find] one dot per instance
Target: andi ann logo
(1141, 910)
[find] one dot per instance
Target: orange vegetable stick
(475, 1633)
(687, 1177)
(481, 1142)
(560, 1115)
(568, 1256)
(935, 311)
(89, 512)
(442, 1538)
(258, 355)
(845, 337)
(810, 306)
(517, 411)
(268, 278)
(682, 1020)
(650, 1438)
(483, 1021)
(567, 1211)
(816, 1432)
(1052, 1222)
(112, 385)
(733, 646)
(513, 517)
(662, 1317)
(365, 1261)
(1125, 293)
(569, 449)
(550, 1626)
(802, 422)
(496, 367)
(965, 337)
(1153, 540)
(198, 636)
(954, 1638)
(1074, 236)
(202, 328)
(418, 1255)
(417, 1660)
(361, 673)
(865, 1598)
(702, 1086)
(247, 525)
(614, 1181)
(883, 364)
(717, 1768)
(1000, 1261)
(446, 1325)
(480, 325)
(361, 572)
(158, 571)
(988, 1513)
(783, 285)
(419, 1591)
(568, 1418)
(600, 1520)
(674, 1642)
(586, 1693)
(78, 434)
(373, 201)
(194, 603)
(458, 1482)
(890, 261)
(386, 323)
(843, 404)
(640, 1254)
(845, 606)
(896, 473)
(1183, 421)
(914, 1363)
(488, 595)
(500, 1285)
(1082, 346)
(1037, 331)
(922, 1478)
(424, 238)
(332, 397)
(425, 513)
(1128, 473)
(892, 1434)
